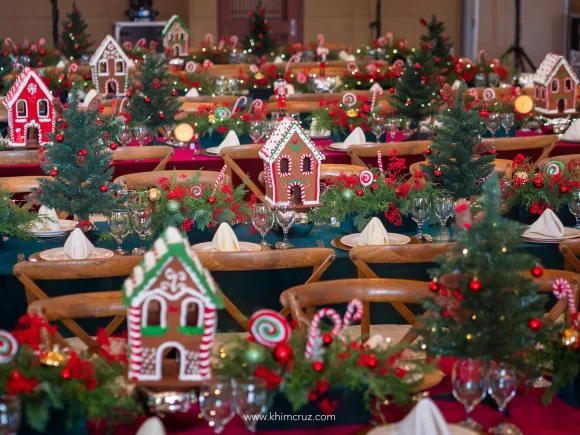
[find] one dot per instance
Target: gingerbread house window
(555, 85)
(306, 164)
(537, 93)
(182, 36)
(568, 85)
(191, 320)
(154, 317)
(284, 166)
(119, 66)
(171, 37)
(43, 108)
(103, 67)
(21, 109)
(543, 94)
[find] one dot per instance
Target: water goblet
(420, 210)
(256, 131)
(408, 129)
(574, 207)
(378, 127)
(268, 128)
(443, 208)
(393, 127)
(169, 127)
(216, 402)
(250, 398)
(492, 123)
(263, 220)
(140, 132)
(141, 219)
(285, 215)
(507, 122)
(502, 386)
(124, 134)
(469, 387)
(119, 227)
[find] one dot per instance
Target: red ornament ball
(113, 146)
(64, 125)
(434, 286)
(65, 373)
(483, 113)
(129, 94)
(65, 105)
(372, 362)
(101, 108)
(211, 200)
(475, 285)
(42, 52)
(41, 149)
(318, 366)
(537, 271)
(446, 313)
(147, 99)
(445, 97)
(428, 151)
(437, 173)
(418, 66)
(161, 115)
(54, 172)
(539, 181)
(437, 59)
(535, 324)
(283, 353)
(104, 188)
(38, 191)
(564, 189)
(360, 192)
(81, 152)
(42, 158)
(174, 93)
(392, 90)
(59, 137)
(374, 187)
(326, 338)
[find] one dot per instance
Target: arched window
(568, 84)
(43, 108)
(543, 93)
(171, 37)
(306, 165)
(555, 85)
(284, 166)
(103, 66)
(191, 318)
(21, 109)
(537, 92)
(154, 316)
(182, 36)
(119, 66)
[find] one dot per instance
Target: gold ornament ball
(521, 177)
(154, 194)
(212, 119)
(352, 113)
(571, 338)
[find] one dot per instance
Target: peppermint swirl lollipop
(553, 168)
(8, 346)
(366, 178)
(190, 66)
(269, 328)
(349, 99)
(195, 191)
(223, 113)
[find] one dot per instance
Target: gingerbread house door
(561, 105)
(176, 50)
(296, 194)
(112, 87)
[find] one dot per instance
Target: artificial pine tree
(259, 40)
(485, 306)
(152, 98)
(458, 161)
(441, 48)
(75, 41)
(78, 162)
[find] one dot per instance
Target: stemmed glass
(492, 123)
(285, 215)
(268, 128)
(256, 131)
(420, 210)
(443, 208)
(216, 402)
(408, 129)
(378, 127)
(119, 227)
(469, 387)
(251, 396)
(393, 127)
(502, 386)
(140, 132)
(263, 220)
(507, 122)
(574, 207)
(169, 127)
(141, 220)
(124, 134)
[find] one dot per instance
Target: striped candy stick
(219, 178)
(295, 58)
(354, 312)
(324, 312)
(375, 92)
(562, 289)
(380, 161)
(238, 102)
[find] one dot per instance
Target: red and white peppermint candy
(349, 99)
(301, 78)
(254, 68)
(195, 191)
(8, 346)
(488, 94)
(562, 289)
(312, 332)
(207, 63)
(190, 66)
(472, 92)
(366, 178)
(269, 328)
(354, 311)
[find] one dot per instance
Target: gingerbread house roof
(19, 85)
(280, 137)
(548, 68)
(104, 44)
(169, 245)
(174, 19)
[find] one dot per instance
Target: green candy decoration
(347, 194)
(173, 206)
(254, 354)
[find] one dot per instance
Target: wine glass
(141, 220)
(492, 123)
(263, 220)
(378, 127)
(124, 134)
(393, 127)
(119, 227)
(469, 387)
(285, 215)
(251, 396)
(502, 387)
(574, 206)
(420, 210)
(140, 132)
(256, 131)
(408, 122)
(216, 402)
(268, 128)
(443, 208)
(169, 127)
(507, 122)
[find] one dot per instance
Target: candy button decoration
(190, 66)
(8, 346)
(223, 113)
(269, 328)
(553, 167)
(366, 178)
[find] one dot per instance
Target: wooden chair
(329, 170)
(540, 164)
(393, 291)
(242, 152)
(500, 166)
(369, 150)
(545, 283)
(21, 184)
(150, 179)
(161, 152)
(19, 157)
(545, 143)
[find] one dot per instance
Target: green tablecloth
(249, 291)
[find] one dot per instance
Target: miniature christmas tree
(152, 99)
(259, 40)
(439, 45)
(75, 40)
(79, 162)
(485, 306)
(457, 159)
(417, 93)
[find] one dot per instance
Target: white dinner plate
(58, 254)
(394, 239)
(339, 146)
(391, 429)
(569, 233)
(213, 150)
(244, 247)
(65, 225)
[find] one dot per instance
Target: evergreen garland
(17, 222)
(75, 41)
(259, 39)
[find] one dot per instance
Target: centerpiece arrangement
(17, 222)
(371, 75)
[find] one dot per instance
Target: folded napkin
(230, 140)
(152, 426)
(424, 419)
(47, 220)
(374, 234)
(88, 97)
(343, 55)
(356, 137)
(573, 132)
(192, 93)
(290, 89)
(77, 246)
(278, 60)
(547, 225)
(225, 239)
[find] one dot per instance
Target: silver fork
(320, 244)
(20, 258)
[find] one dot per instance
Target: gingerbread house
(172, 304)
(31, 114)
(110, 68)
(291, 165)
(555, 86)
(176, 36)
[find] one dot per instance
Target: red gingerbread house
(555, 86)
(176, 36)
(291, 165)
(172, 304)
(30, 111)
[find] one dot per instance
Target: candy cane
(480, 55)
(8, 42)
(257, 105)
(209, 38)
(239, 101)
(207, 63)
(71, 69)
(320, 39)
(472, 92)
(382, 41)
(324, 312)
(141, 42)
(380, 161)
(375, 92)
(114, 106)
(41, 42)
(219, 179)
(234, 40)
(389, 38)
(121, 105)
(349, 99)
(254, 68)
(371, 69)
(351, 67)
(221, 44)
(295, 58)
(562, 289)
(354, 311)
(127, 45)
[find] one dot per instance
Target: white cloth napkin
(356, 137)
(225, 239)
(343, 55)
(548, 225)
(90, 95)
(61, 64)
(77, 246)
(374, 234)
(278, 60)
(192, 93)
(573, 132)
(424, 419)
(315, 131)
(152, 426)
(290, 89)
(231, 140)
(47, 220)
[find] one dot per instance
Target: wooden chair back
(545, 143)
(307, 106)
(242, 152)
(153, 152)
(393, 291)
(545, 283)
(500, 165)
(19, 157)
(21, 184)
(541, 164)
(369, 150)
(150, 179)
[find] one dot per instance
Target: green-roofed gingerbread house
(172, 303)
(176, 37)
